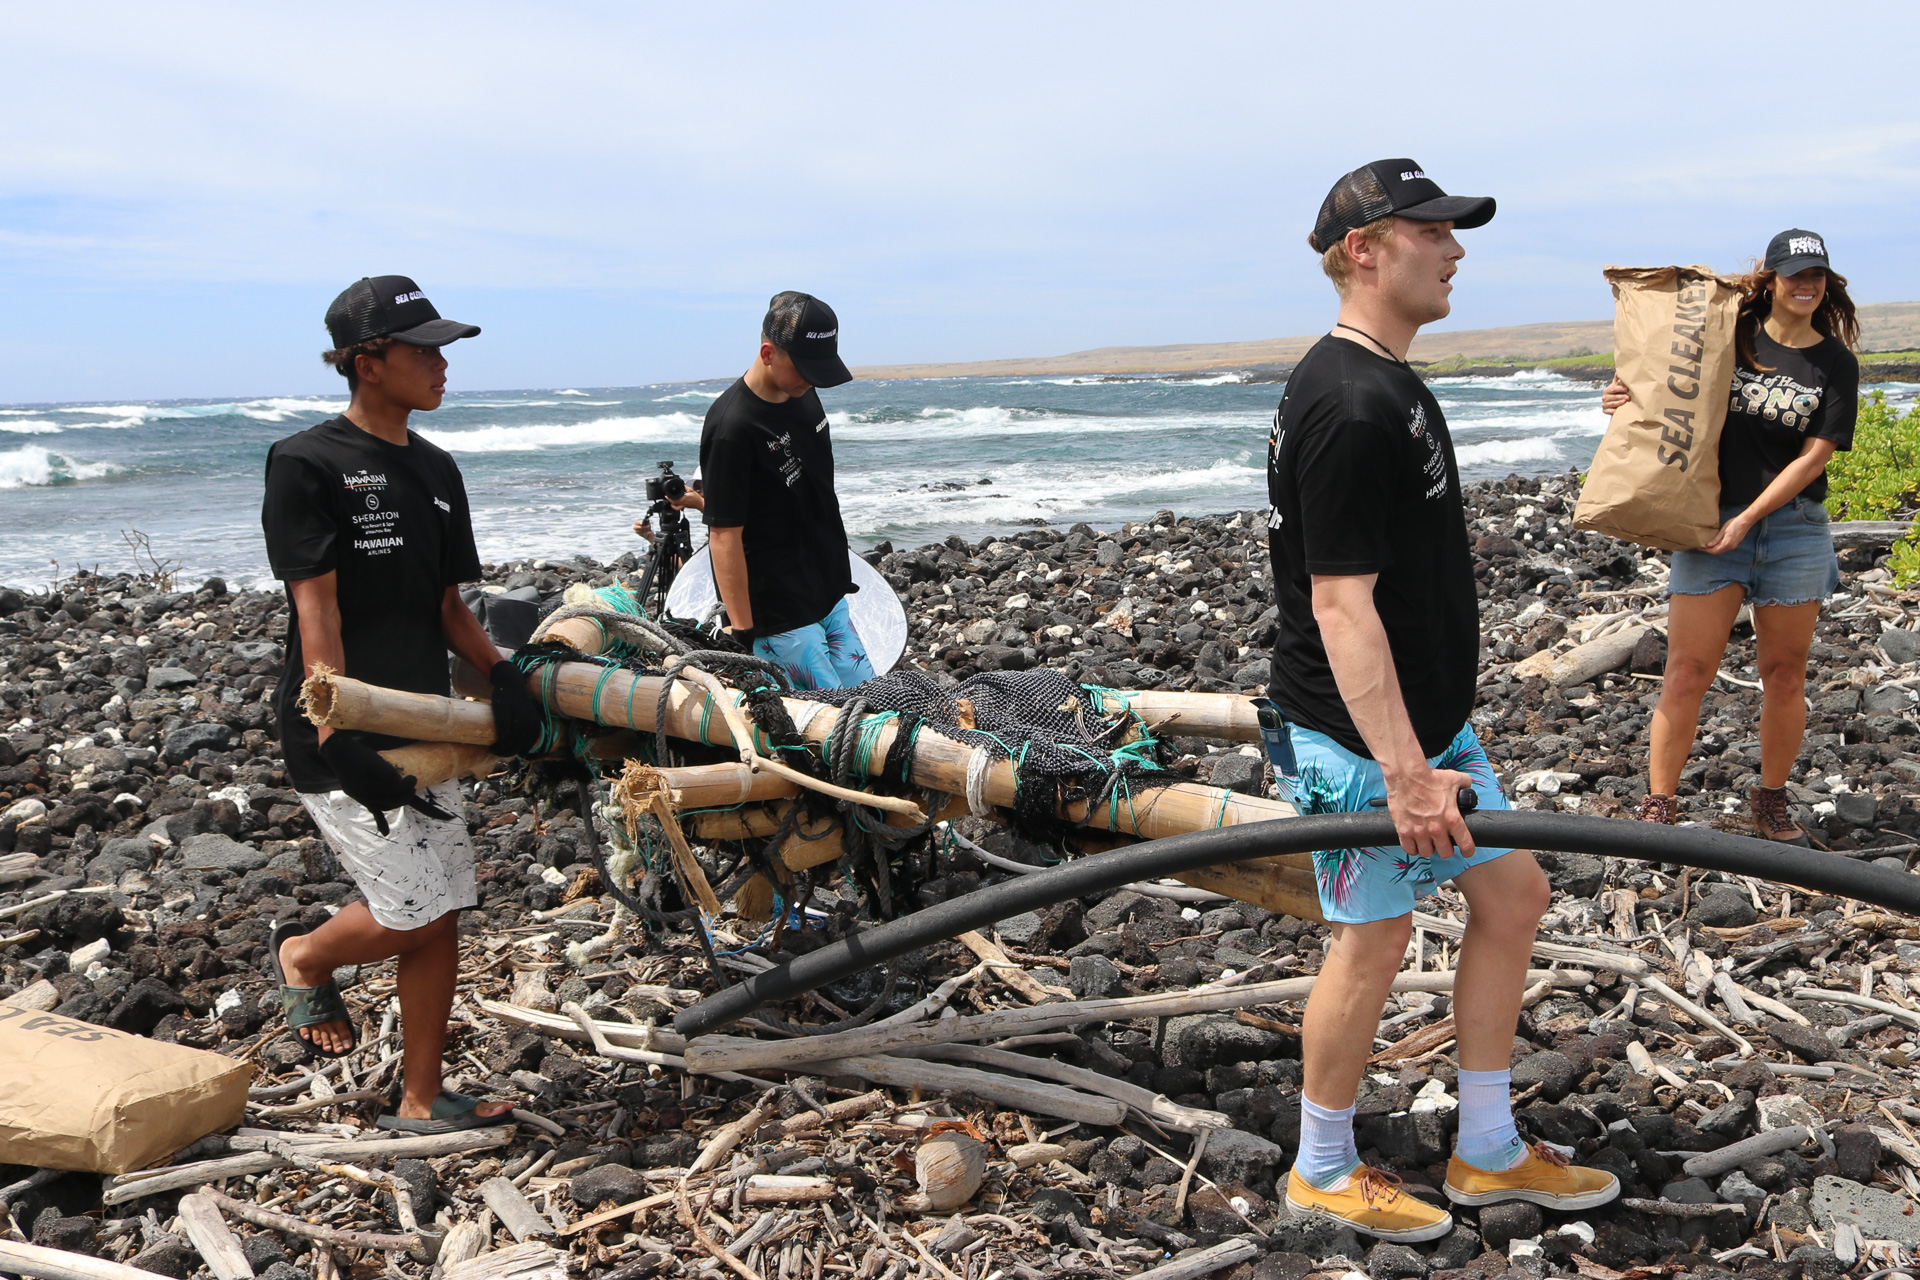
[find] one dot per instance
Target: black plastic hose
(1520, 829)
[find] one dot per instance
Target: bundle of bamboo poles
(451, 735)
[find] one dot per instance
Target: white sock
(1488, 1139)
(1327, 1153)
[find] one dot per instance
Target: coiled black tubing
(1703, 849)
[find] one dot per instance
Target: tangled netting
(1067, 742)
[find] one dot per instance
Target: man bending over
(1373, 680)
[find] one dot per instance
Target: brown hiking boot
(1768, 806)
(1656, 807)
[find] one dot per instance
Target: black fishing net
(1067, 742)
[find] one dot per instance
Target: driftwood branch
(22, 1259)
(708, 1053)
(313, 1231)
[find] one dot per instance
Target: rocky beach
(149, 839)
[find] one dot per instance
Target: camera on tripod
(666, 487)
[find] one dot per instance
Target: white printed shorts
(412, 876)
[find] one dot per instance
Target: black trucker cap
(390, 307)
(1795, 250)
(807, 330)
(1398, 187)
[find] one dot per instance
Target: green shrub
(1880, 477)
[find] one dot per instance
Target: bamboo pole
(622, 698)
(1224, 717)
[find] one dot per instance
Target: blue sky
(613, 190)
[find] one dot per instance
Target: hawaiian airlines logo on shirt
(1417, 420)
(365, 480)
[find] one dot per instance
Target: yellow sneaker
(1544, 1177)
(1371, 1201)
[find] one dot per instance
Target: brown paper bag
(77, 1096)
(1656, 477)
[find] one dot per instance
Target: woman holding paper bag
(1794, 398)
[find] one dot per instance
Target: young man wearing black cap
(367, 524)
(773, 521)
(1373, 681)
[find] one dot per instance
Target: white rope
(977, 765)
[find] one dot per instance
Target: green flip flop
(452, 1113)
(308, 1006)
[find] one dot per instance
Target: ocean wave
(1518, 379)
(32, 427)
(1587, 418)
(875, 506)
(535, 437)
(281, 408)
(688, 397)
(34, 466)
(569, 392)
(1507, 452)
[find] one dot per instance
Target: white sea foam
(281, 408)
(1506, 452)
(32, 427)
(35, 466)
(553, 435)
(688, 397)
(569, 392)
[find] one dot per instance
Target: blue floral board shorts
(1358, 886)
(1786, 559)
(827, 655)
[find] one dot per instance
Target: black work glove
(375, 783)
(517, 715)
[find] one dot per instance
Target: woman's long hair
(1835, 318)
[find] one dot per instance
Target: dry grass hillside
(1887, 326)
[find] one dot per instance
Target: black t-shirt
(1807, 391)
(1361, 474)
(392, 524)
(768, 470)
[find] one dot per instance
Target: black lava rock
(1857, 1151)
(615, 1182)
(1509, 1221)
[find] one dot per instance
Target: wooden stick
(213, 1239)
(1668, 1209)
(712, 1052)
(1204, 1263)
(1004, 969)
(134, 1186)
(22, 1259)
(431, 763)
(811, 1192)
(1613, 961)
(730, 1137)
(1712, 1163)
(1905, 1015)
(1186, 1176)
(1698, 1014)
(1155, 1106)
(515, 1214)
(313, 1231)
(1030, 1095)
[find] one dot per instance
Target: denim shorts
(1358, 886)
(1786, 559)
